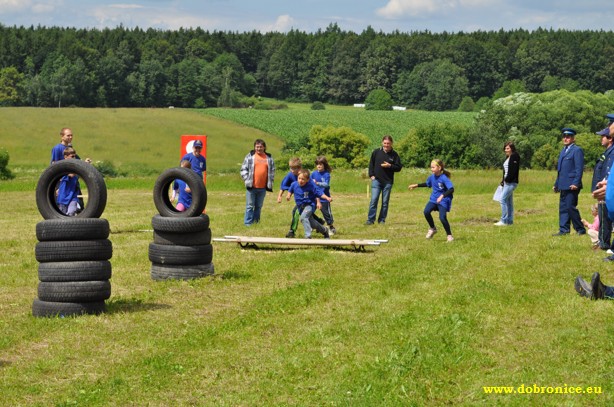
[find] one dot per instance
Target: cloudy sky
(311, 15)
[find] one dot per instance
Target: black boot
(583, 288)
(597, 287)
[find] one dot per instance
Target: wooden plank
(293, 241)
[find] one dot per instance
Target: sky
(310, 15)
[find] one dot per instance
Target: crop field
(295, 123)
(412, 322)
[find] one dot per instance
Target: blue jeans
(377, 188)
(507, 203)
(254, 199)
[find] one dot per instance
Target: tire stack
(73, 252)
(181, 248)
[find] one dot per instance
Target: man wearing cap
(196, 159)
(600, 173)
(569, 183)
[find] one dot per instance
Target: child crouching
(307, 197)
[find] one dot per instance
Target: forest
(121, 67)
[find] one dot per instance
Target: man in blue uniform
(569, 183)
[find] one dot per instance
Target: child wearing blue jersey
(307, 197)
(295, 166)
(181, 191)
(321, 177)
(441, 197)
(68, 187)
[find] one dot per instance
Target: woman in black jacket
(511, 168)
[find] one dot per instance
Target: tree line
(121, 67)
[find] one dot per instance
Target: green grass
(295, 122)
(412, 322)
(137, 141)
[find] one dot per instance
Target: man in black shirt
(382, 166)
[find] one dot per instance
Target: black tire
(74, 250)
(96, 189)
(65, 309)
(180, 225)
(183, 239)
(171, 272)
(164, 183)
(74, 271)
(72, 228)
(180, 255)
(74, 291)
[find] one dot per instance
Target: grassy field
(412, 322)
(295, 122)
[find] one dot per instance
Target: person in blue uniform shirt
(568, 184)
(196, 159)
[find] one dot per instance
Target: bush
(5, 172)
(264, 105)
(466, 105)
(379, 99)
(338, 142)
(307, 157)
(318, 106)
(546, 157)
(106, 168)
(457, 145)
(537, 119)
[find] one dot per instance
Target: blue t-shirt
(440, 185)
(322, 180)
(57, 153)
(287, 181)
(185, 197)
(306, 194)
(68, 190)
(199, 164)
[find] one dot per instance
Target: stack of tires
(181, 249)
(73, 252)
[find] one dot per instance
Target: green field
(295, 123)
(412, 322)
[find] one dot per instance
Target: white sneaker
(609, 251)
(431, 233)
(450, 238)
(500, 224)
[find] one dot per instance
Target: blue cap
(198, 143)
(604, 132)
(610, 117)
(568, 131)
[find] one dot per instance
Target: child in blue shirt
(321, 177)
(181, 191)
(295, 166)
(67, 193)
(307, 197)
(441, 197)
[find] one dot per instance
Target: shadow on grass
(4, 363)
(269, 249)
(132, 305)
(235, 275)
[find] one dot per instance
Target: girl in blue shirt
(321, 177)
(441, 197)
(181, 190)
(68, 189)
